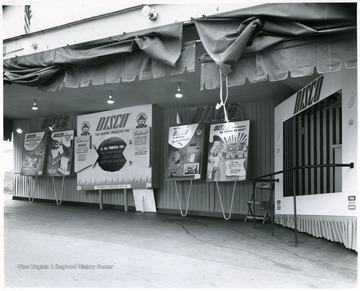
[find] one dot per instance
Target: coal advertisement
(112, 149)
(60, 153)
(228, 152)
(33, 154)
(185, 152)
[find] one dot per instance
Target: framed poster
(228, 151)
(185, 152)
(60, 153)
(113, 149)
(33, 154)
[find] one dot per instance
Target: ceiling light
(178, 92)
(59, 124)
(110, 99)
(19, 130)
(52, 127)
(34, 107)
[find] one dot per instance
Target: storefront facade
(315, 126)
(265, 114)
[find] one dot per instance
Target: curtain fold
(342, 229)
(137, 65)
(302, 58)
(273, 40)
(162, 45)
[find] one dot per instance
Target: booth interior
(280, 106)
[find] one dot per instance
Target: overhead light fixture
(58, 123)
(147, 12)
(110, 99)
(52, 127)
(34, 107)
(19, 130)
(178, 93)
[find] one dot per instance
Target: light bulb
(110, 100)
(34, 107)
(178, 93)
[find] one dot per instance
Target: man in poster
(59, 158)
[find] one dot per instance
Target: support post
(272, 206)
(254, 189)
(125, 201)
(295, 216)
(100, 199)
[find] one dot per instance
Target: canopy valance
(274, 40)
(321, 55)
(265, 42)
(151, 54)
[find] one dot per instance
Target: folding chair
(262, 203)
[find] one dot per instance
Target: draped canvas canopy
(146, 55)
(274, 40)
(265, 42)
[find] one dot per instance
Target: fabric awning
(269, 42)
(137, 65)
(150, 54)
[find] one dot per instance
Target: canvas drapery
(137, 65)
(320, 55)
(258, 43)
(272, 41)
(156, 52)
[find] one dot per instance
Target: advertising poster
(228, 151)
(59, 156)
(185, 152)
(33, 154)
(112, 149)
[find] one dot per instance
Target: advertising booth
(286, 75)
(318, 126)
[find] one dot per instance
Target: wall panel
(313, 142)
(204, 196)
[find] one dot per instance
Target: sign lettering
(112, 122)
(308, 95)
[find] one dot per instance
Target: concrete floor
(77, 246)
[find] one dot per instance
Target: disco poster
(228, 152)
(112, 149)
(33, 154)
(185, 152)
(60, 153)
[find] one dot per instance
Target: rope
(222, 102)
(221, 203)
(58, 201)
(31, 199)
(188, 199)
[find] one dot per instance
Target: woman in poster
(216, 152)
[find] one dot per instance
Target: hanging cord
(222, 102)
(188, 199)
(58, 201)
(32, 197)
(221, 203)
(237, 108)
